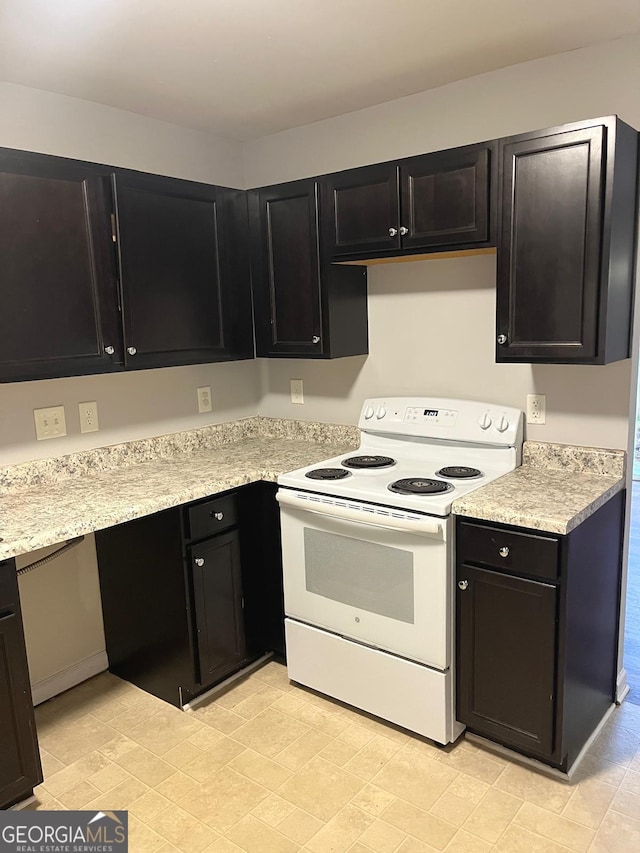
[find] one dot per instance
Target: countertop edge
(538, 522)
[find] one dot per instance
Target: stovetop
(423, 438)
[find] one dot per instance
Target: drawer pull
(217, 515)
(463, 584)
(504, 551)
(199, 561)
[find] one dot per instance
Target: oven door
(373, 574)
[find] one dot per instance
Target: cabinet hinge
(114, 236)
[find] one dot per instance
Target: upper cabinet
(106, 271)
(434, 202)
(185, 285)
(57, 266)
(566, 244)
(304, 306)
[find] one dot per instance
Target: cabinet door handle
(217, 515)
(502, 339)
(315, 339)
(199, 561)
(403, 231)
(109, 350)
(463, 584)
(132, 350)
(393, 232)
(504, 551)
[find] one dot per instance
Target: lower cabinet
(188, 593)
(537, 632)
(20, 769)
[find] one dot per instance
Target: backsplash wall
(431, 326)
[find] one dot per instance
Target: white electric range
(367, 545)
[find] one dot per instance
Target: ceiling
(246, 68)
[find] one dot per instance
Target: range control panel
(431, 417)
(443, 417)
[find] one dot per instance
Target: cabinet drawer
(509, 551)
(211, 517)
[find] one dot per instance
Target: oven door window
(371, 577)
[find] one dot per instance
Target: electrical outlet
(88, 417)
(297, 392)
(536, 409)
(204, 399)
(50, 423)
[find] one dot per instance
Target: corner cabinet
(20, 769)
(304, 306)
(434, 202)
(57, 265)
(566, 244)
(537, 631)
(185, 282)
(191, 595)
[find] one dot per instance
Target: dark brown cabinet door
(360, 211)
(506, 637)
(57, 266)
(179, 297)
(566, 243)
(20, 769)
(217, 587)
(446, 199)
(286, 269)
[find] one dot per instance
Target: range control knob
(381, 412)
(368, 412)
(484, 421)
(503, 424)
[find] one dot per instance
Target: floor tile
(252, 835)
(341, 831)
(618, 833)
(271, 768)
(418, 823)
(320, 788)
(224, 799)
(415, 778)
(270, 732)
(573, 835)
(299, 826)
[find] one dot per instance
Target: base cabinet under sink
(537, 632)
(192, 594)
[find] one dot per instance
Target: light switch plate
(204, 399)
(88, 417)
(297, 391)
(50, 423)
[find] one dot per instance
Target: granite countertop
(47, 503)
(556, 488)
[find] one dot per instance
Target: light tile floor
(271, 768)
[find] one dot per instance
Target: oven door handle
(428, 527)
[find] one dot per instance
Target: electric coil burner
(327, 474)
(368, 544)
(368, 462)
(459, 472)
(419, 486)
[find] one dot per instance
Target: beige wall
(140, 403)
(61, 601)
(431, 333)
(432, 323)
(34, 120)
